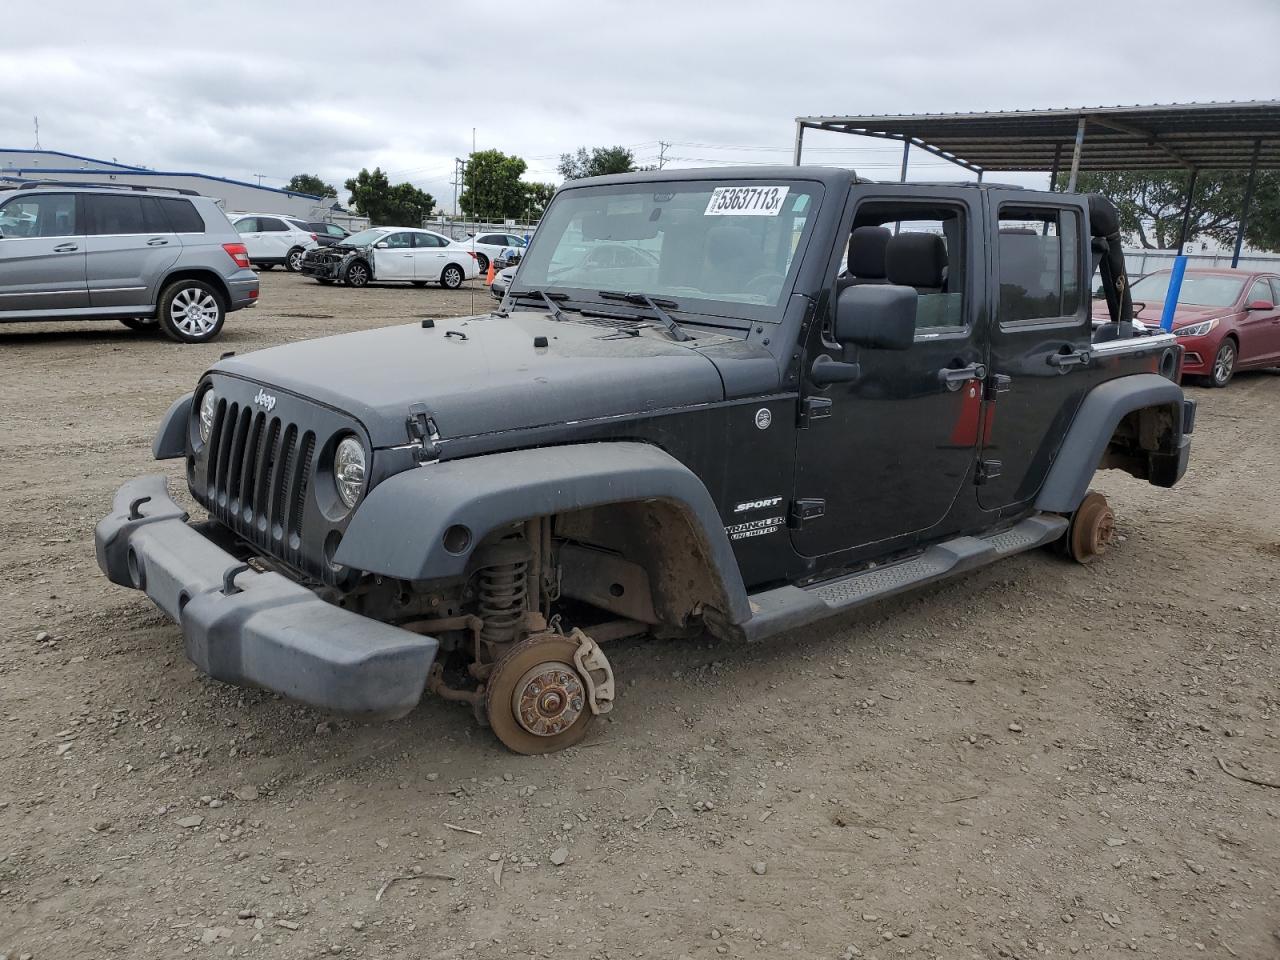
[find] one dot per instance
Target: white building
(232, 195)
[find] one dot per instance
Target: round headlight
(208, 409)
(349, 470)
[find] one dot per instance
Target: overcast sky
(276, 88)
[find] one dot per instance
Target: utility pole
(662, 153)
(459, 169)
(37, 120)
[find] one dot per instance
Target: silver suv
(148, 257)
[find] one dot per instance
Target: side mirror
(876, 316)
(1261, 305)
(380, 245)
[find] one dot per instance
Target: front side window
(44, 215)
(334, 230)
(720, 248)
(921, 244)
(1039, 264)
(247, 225)
(1275, 289)
(1259, 291)
(399, 241)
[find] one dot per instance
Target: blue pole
(1171, 297)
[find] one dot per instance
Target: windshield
(365, 237)
(1198, 289)
(720, 248)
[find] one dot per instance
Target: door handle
(953, 378)
(66, 248)
(157, 242)
(1066, 361)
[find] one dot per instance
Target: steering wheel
(764, 283)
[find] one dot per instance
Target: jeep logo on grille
(265, 400)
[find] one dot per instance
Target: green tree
(1151, 205)
(310, 183)
(491, 185)
(537, 196)
(401, 205)
(596, 163)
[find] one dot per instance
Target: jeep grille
(257, 471)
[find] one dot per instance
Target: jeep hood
(482, 375)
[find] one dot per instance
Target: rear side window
(428, 240)
(271, 225)
(124, 215)
(1275, 289)
(304, 227)
(43, 215)
(182, 215)
(1039, 251)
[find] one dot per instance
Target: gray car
(150, 258)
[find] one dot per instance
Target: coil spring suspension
(503, 586)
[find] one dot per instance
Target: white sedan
(489, 246)
(397, 254)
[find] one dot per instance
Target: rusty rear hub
(1093, 528)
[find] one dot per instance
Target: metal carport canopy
(1194, 136)
(1189, 136)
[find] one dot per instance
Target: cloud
(246, 88)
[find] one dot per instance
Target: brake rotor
(1093, 528)
(535, 698)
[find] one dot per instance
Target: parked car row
(399, 254)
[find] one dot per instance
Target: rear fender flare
(1092, 429)
(399, 530)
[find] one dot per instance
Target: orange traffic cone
(488, 277)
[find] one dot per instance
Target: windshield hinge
(423, 431)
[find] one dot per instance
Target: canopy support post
(1244, 207)
(1186, 211)
(906, 152)
(1075, 157)
(799, 141)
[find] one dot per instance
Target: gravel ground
(1023, 763)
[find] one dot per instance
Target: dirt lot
(1023, 763)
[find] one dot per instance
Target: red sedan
(1227, 320)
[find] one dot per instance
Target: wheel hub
(548, 699)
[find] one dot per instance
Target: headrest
(916, 260)
(866, 252)
(730, 245)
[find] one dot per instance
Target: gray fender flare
(398, 531)
(1095, 422)
(170, 442)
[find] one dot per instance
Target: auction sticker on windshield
(746, 201)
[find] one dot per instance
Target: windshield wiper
(644, 300)
(548, 298)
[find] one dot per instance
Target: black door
(1039, 342)
(890, 452)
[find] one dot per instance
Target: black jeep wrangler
(734, 400)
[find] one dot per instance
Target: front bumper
(257, 629)
(321, 270)
(1199, 354)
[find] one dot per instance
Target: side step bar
(785, 608)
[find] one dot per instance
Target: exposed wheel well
(657, 537)
(1141, 435)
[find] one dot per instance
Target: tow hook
(591, 661)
